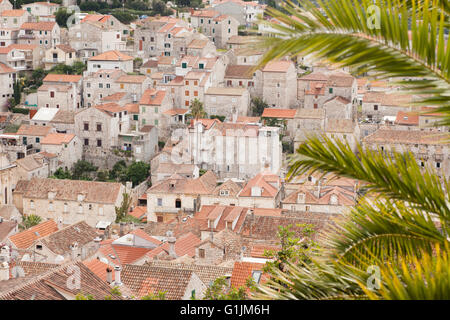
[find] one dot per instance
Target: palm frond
(396, 176)
(401, 39)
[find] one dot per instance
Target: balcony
(164, 209)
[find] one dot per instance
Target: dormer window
(334, 199)
(301, 197)
(256, 191)
(224, 192)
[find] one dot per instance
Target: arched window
(178, 203)
(31, 204)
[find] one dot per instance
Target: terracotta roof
(115, 96)
(35, 268)
(6, 227)
(277, 66)
(340, 79)
(184, 245)
(59, 242)
(310, 113)
(340, 125)
(66, 48)
(119, 254)
(224, 213)
(229, 185)
(64, 116)
(279, 113)
(266, 227)
(175, 111)
(258, 251)
(406, 137)
(262, 180)
(132, 79)
(99, 268)
(407, 118)
(144, 280)
(51, 77)
(245, 119)
(138, 212)
(242, 271)
(197, 44)
(29, 130)
(40, 26)
(206, 273)
(140, 233)
(31, 162)
(25, 47)
(96, 18)
(48, 285)
(6, 69)
(151, 63)
(94, 191)
(12, 13)
(225, 91)
(205, 13)
(314, 76)
(181, 185)
(152, 97)
(132, 107)
(239, 72)
(24, 239)
(57, 138)
(113, 55)
(111, 107)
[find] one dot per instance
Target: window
(100, 85)
(160, 219)
(52, 94)
(90, 206)
(330, 90)
(99, 127)
(66, 207)
(80, 208)
(195, 93)
(186, 103)
(186, 83)
(156, 122)
(178, 203)
(201, 253)
(38, 247)
(422, 164)
(156, 109)
(38, 140)
(375, 107)
(184, 65)
(201, 66)
(50, 206)
(86, 142)
(86, 126)
(224, 192)
(438, 164)
(186, 93)
(99, 142)
(159, 201)
(31, 204)
(315, 106)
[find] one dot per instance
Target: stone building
(227, 102)
(279, 84)
(69, 201)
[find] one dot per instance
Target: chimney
(4, 254)
(171, 241)
(4, 271)
(121, 226)
(109, 275)
(317, 190)
(117, 270)
(60, 224)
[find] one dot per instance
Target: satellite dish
(104, 260)
(59, 259)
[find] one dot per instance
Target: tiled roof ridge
(35, 279)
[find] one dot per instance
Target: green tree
(404, 232)
(82, 170)
(17, 92)
(196, 109)
(137, 172)
(30, 221)
(220, 290)
(61, 17)
(123, 210)
(258, 105)
(160, 295)
(61, 173)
